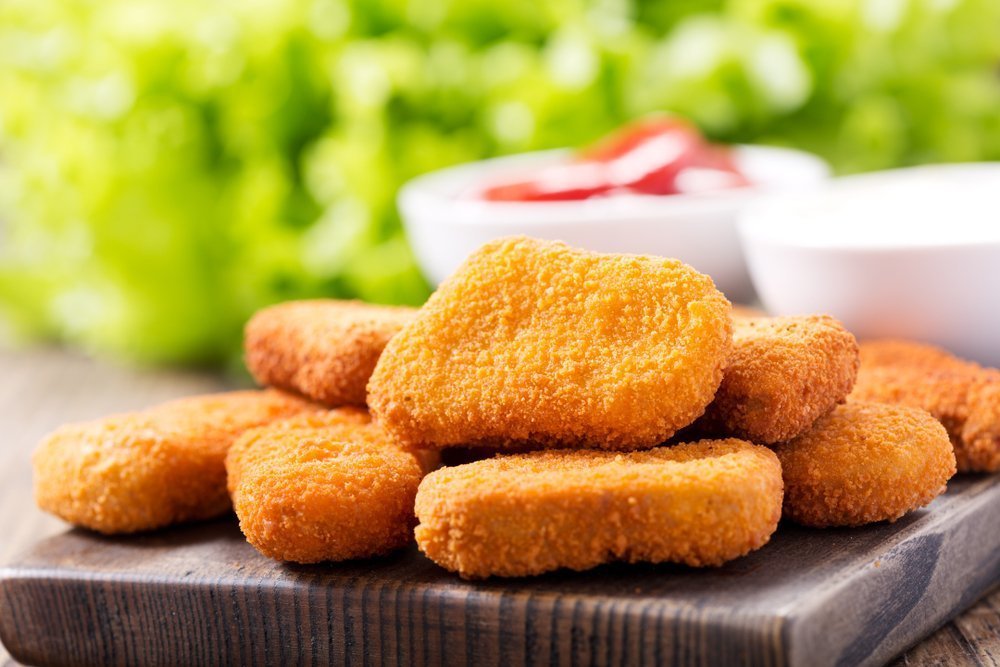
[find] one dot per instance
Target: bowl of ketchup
(653, 187)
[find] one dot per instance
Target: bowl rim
(752, 221)
(439, 189)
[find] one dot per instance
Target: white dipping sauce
(911, 253)
(917, 207)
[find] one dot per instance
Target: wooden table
(41, 389)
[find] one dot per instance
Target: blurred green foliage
(169, 166)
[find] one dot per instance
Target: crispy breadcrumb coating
(534, 341)
(326, 487)
(783, 374)
(962, 395)
(324, 349)
(865, 462)
(700, 504)
(354, 421)
(149, 469)
(894, 352)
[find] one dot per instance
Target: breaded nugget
(323, 488)
(892, 352)
(325, 349)
(358, 423)
(700, 504)
(154, 468)
(963, 396)
(783, 374)
(534, 341)
(865, 462)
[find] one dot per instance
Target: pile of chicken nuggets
(615, 406)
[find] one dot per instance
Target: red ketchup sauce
(661, 155)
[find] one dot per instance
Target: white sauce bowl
(444, 227)
(911, 253)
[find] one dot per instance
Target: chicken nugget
(700, 504)
(324, 349)
(893, 352)
(962, 395)
(149, 469)
(783, 374)
(865, 462)
(534, 341)
(323, 488)
(356, 422)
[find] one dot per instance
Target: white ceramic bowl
(911, 253)
(443, 227)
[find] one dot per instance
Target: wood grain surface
(42, 389)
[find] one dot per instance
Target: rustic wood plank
(41, 389)
(945, 649)
(201, 595)
(980, 629)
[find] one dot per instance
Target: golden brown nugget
(429, 459)
(357, 423)
(700, 504)
(893, 352)
(865, 462)
(329, 487)
(962, 395)
(783, 374)
(534, 341)
(149, 469)
(324, 349)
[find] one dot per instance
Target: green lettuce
(166, 168)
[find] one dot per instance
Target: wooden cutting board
(201, 595)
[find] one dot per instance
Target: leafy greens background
(169, 166)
